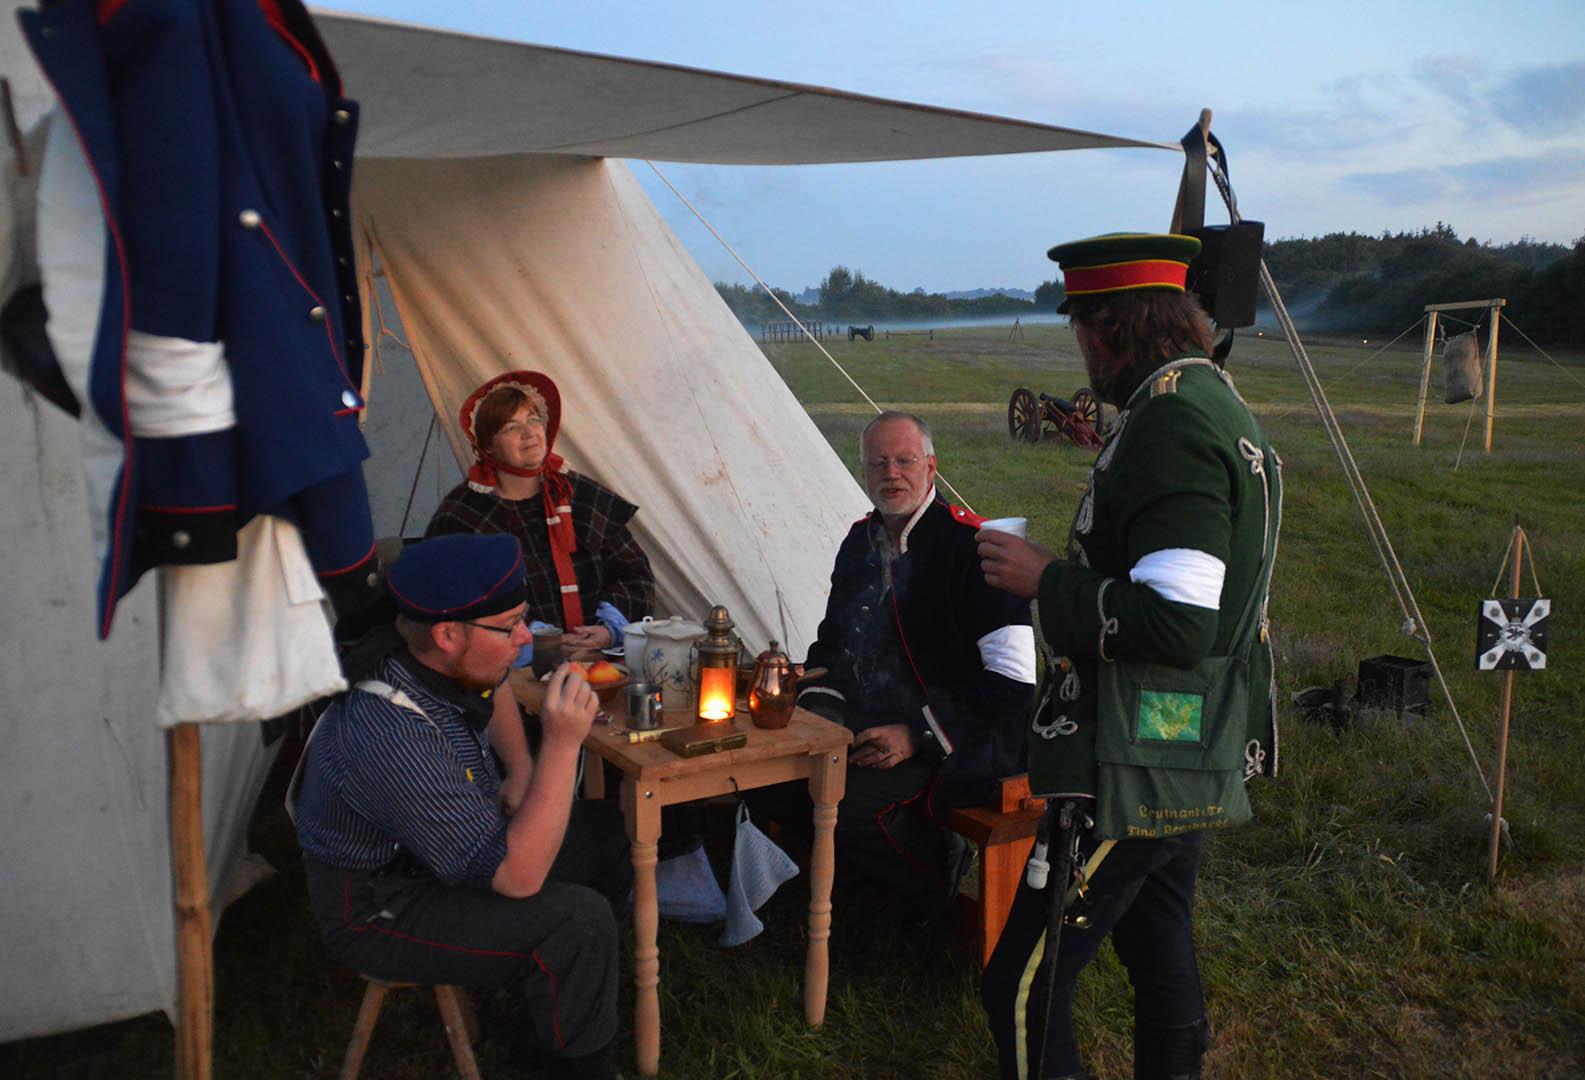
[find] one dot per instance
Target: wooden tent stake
(195, 981)
(1516, 546)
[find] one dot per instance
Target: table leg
(593, 775)
(827, 779)
(643, 832)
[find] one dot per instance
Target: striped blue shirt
(382, 778)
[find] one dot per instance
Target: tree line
(1381, 284)
(1340, 281)
(848, 296)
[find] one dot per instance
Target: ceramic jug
(668, 644)
(633, 646)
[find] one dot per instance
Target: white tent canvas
(507, 239)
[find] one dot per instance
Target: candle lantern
(717, 668)
(716, 700)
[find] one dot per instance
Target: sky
(1390, 115)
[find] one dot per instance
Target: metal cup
(643, 706)
(547, 650)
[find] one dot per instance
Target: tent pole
(190, 888)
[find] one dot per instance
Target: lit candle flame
(716, 686)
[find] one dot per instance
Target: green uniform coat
(1186, 467)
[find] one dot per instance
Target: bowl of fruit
(607, 678)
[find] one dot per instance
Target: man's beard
(471, 681)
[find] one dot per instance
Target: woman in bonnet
(586, 573)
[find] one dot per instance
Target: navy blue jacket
(222, 149)
(894, 645)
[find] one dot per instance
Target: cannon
(1079, 419)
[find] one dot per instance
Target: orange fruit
(603, 671)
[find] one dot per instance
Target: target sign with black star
(1512, 634)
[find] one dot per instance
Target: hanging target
(1512, 634)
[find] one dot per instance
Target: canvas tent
(487, 196)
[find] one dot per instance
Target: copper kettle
(774, 689)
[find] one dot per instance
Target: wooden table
(808, 748)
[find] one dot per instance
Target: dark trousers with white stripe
(1143, 897)
(558, 948)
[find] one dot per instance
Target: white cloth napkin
(758, 869)
(686, 889)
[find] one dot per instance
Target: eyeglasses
(507, 630)
(881, 464)
(519, 428)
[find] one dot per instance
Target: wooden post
(1425, 373)
(1491, 386)
(1517, 547)
(190, 893)
(1495, 306)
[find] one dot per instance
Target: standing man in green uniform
(1157, 704)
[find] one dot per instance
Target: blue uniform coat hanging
(221, 149)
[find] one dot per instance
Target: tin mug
(643, 706)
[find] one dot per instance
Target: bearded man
(415, 872)
(1161, 669)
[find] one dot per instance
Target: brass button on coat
(316, 313)
(349, 399)
(249, 219)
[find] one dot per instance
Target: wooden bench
(1003, 830)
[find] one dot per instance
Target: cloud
(1543, 101)
(1351, 114)
(1457, 79)
(1532, 178)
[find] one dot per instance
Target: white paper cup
(1017, 526)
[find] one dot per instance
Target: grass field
(1349, 931)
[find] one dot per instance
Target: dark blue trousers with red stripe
(558, 948)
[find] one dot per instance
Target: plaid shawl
(608, 562)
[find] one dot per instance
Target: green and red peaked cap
(458, 577)
(542, 394)
(1123, 262)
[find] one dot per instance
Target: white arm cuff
(1183, 575)
(177, 387)
(1010, 651)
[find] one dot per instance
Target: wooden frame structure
(1495, 306)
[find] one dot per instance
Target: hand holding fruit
(570, 704)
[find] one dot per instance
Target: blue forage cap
(459, 577)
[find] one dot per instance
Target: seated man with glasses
(415, 873)
(930, 667)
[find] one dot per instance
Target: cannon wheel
(1087, 407)
(1024, 420)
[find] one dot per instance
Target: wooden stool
(461, 1028)
(1004, 831)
